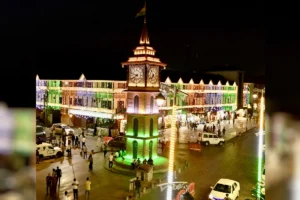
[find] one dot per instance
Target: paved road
(236, 160)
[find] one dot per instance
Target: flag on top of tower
(142, 11)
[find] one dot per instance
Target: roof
(187, 76)
(144, 167)
(226, 181)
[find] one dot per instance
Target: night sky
(71, 37)
(60, 39)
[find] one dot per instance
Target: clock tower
(143, 80)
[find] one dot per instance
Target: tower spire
(144, 39)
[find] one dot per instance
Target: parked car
(118, 142)
(210, 138)
(40, 134)
(223, 187)
(60, 128)
(47, 150)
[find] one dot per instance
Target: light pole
(260, 139)
(160, 99)
(45, 109)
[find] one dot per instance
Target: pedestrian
(83, 139)
(69, 151)
(90, 162)
(87, 188)
(73, 140)
(122, 153)
(137, 183)
(76, 141)
(66, 196)
(37, 154)
(111, 159)
(98, 144)
(105, 150)
(58, 174)
(53, 172)
(75, 188)
(84, 149)
(49, 180)
(54, 184)
(223, 131)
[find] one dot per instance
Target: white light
(172, 152)
(90, 113)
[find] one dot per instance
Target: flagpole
(145, 13)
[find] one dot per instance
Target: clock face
(136, 74)
(152, 75)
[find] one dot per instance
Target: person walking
(137, 184)
(73, 140)
(49, 181)
(91, 162)
(87, 188)
(84, 149)
(105, 150)
(76, 141)
(75, 188)
(111, 159)
(58, 175)
(83, 139)
(53, 186)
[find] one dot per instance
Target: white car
(210, 138)
(47, 150)
(223, 187)
(61, 129)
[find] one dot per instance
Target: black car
(118, 142)
(40, 135)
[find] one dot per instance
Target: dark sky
(64, 38)
(74, 36)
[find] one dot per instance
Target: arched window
(134, 149)
(136, 104)
(151, 104)
(135, 127)
(150, 148)
(151, 127)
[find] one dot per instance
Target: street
(235, 160)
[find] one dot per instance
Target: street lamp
(260, 139)
(45, 110)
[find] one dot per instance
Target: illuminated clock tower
(143, 80)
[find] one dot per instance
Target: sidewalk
(187, 135)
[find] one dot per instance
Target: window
(151, 127)
(135, 127)
(205, 136)
(135, 149)
(136, 104)
(150, 148)
(215, 136)
(151, 104)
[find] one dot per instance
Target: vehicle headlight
(210, 196)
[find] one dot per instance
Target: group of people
(52, 181)
(212, 129)
(75, 185)
(136, 162)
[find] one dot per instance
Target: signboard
(181, 186)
